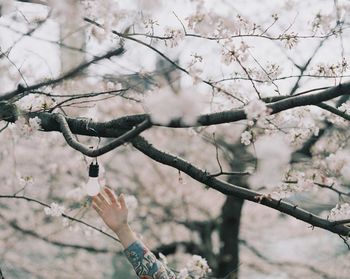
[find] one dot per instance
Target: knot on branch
(8, 112)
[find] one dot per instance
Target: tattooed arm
(114, 213)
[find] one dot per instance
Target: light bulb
(92, 186)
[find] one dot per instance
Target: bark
(229, 232)
(228, 261)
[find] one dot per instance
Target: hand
(113, 210)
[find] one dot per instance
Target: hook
(91, 129)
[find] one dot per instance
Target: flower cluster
(322, 22)
(175, 35)
(340, 212)
(197, 268)
(303, 184)
(231, 53)
(149, 24)
(256, 109)
(267, 73)
(54, 210)
(34, 102)
(331, 70)
(345, 107)
(339, 164)
(25, 181)
(196, 58)
(289, 40)
(246, 137)
(24, 129)
(166, 105)
(194, 21)
(273, 155)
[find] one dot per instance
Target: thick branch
(334, 111)
(232, 190)
(68, 135)
(117, 127)
(275, 107)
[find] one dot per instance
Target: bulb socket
(93, 170)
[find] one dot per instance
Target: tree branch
(233, 190)
(113, 128)
(34, 234)
(21, 91)
(108, 147)
(63, 215)
(334, 111)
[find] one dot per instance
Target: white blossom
(166, 105)
(25, 181)
(54, 210)
(35, 123)
(183, 274)
(273, 155)
(196, 58)
(199, 23)
(269, 72)
(290, 40)
(323, 22)
(345, 107)
(198, 267)
(256, 109)
(331, 70)
(176, 36)
(340, 212)
(231, 53)
(23, 128)
(34, 102)
(246, 137)
(338, 163)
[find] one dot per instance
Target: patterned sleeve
(145, 263)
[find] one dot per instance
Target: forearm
(114, 213)
(125, 235)
(141, 258)
(145, 263)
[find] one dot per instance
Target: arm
(114, 213)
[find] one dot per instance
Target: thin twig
(63, 215)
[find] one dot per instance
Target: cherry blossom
(54, 210)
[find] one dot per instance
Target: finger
(122, 201)
(103, 200)
(98, 210)
(98, 202)
(112, 197)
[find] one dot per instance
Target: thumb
(122, 202)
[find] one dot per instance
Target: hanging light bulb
(93, 186)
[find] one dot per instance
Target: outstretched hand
(113, 210)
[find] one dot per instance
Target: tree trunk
(229, 233)
(228, 261)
